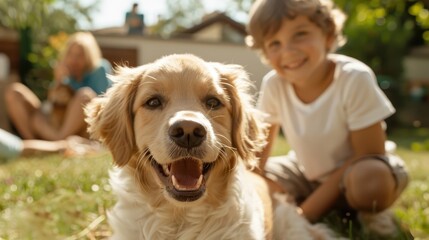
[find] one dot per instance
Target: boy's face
(297, 51)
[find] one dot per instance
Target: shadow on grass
(348, 225)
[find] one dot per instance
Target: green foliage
(19, 14)
(44, 17)
(410, 137)
(178, 17)
(419, 141)
(43, 61)
(413, 206)
(421, 15)
(420, 146)
(378, 34)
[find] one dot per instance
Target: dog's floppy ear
(110, 117)
(248, 129)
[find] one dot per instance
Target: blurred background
(390, 36)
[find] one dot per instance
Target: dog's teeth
(166, 169)
(200, 181)
(175, 183)
(184, 188)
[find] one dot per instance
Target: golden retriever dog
(183, 134)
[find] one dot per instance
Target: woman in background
(81, 67)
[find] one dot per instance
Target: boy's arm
(263, 156)
(366, 141)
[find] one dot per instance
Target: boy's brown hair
(266, 17)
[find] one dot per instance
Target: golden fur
(137, 120)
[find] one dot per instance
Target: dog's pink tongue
(186, 174)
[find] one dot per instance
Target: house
(215, 27)
(139, 50)
(217, 38)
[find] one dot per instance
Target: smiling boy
(331, 111)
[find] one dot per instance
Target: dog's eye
(153, 103)
(213, 103)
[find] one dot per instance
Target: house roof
(210, 19)
(120, 30)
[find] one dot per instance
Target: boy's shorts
(286, 171)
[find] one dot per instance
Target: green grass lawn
(55, 198)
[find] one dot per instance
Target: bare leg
(32, 147)
(21, 104)
(74, 121)
(370, 186)
(43, 128)
(72, 146)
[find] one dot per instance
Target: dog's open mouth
(184, 179)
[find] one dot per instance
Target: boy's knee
(369, 185)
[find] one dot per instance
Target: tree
(386, 30)
(179, 15)
(378, 34)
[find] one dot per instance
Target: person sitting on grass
(331, 111)
(80, 67)
(12, 147)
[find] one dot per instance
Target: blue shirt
(138, 29)
(97, 79)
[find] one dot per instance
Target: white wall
(210, 33)
(150, 49)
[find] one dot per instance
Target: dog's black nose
(187, 133)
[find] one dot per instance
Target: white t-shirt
(319, 132)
